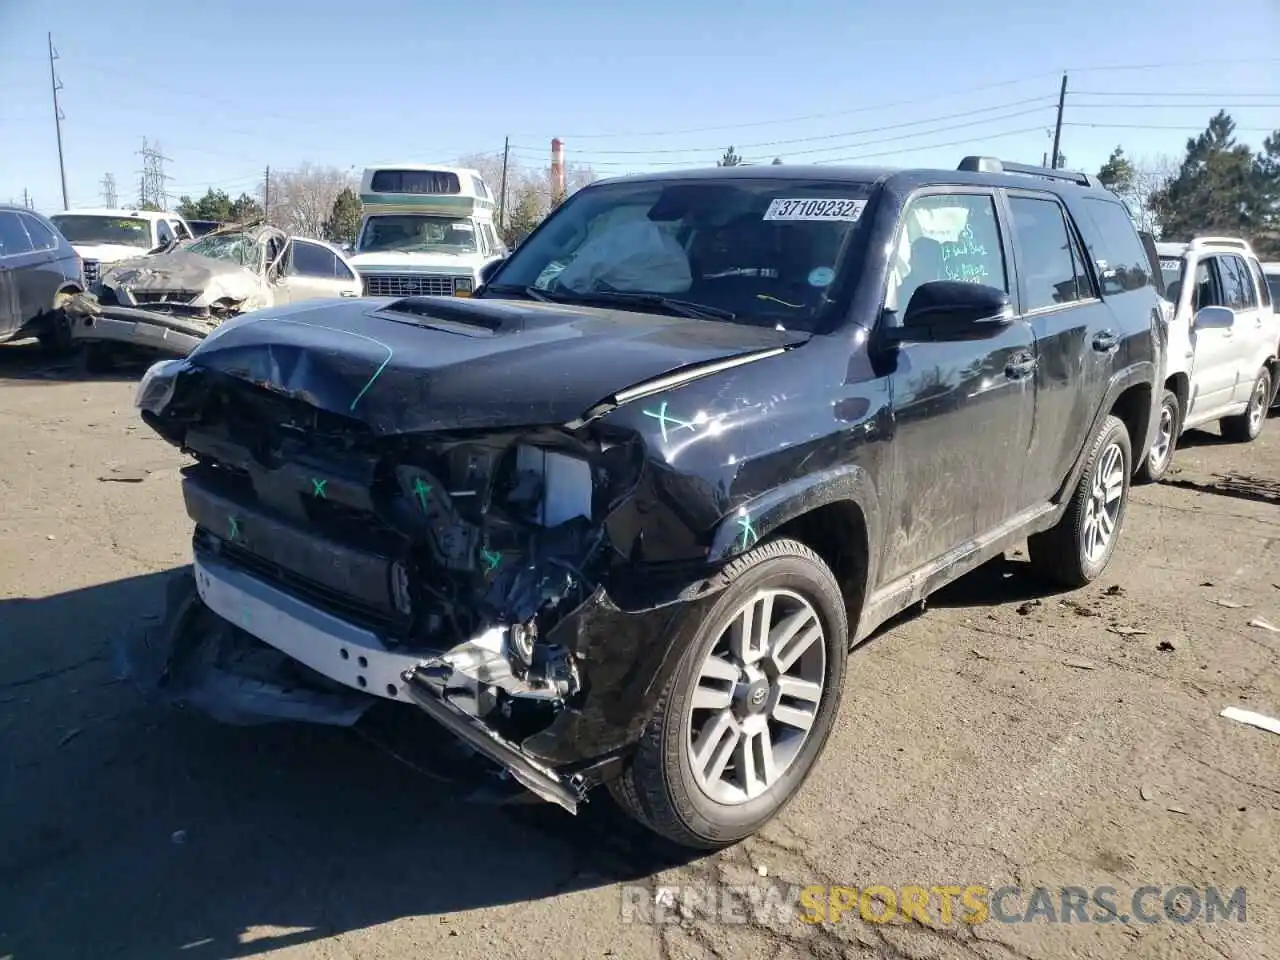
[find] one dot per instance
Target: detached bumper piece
(167, 334)
(428, 690)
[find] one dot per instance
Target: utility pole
(502, 198)
(26, 198)
(58, 117)
(1057, 129)
(109, 190)
(266, 195)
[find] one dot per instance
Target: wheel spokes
(750, 638)
(715, 745)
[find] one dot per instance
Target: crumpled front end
(469, 573)
(165, 304)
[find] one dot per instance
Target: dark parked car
(200, 227)
(38, 272)
(620, 517)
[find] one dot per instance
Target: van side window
(1046, 264)
(1117, 252)
(945, 237)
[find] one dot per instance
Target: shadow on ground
(131, 831)
(26, 361)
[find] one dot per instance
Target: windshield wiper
(682, 308)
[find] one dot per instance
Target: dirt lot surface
(1005, 737)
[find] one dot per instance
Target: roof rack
(995, 165)
(1199, 243)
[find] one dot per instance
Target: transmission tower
(109, 191)
(151, 187)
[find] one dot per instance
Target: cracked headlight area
(156, 387)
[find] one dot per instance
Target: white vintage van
(425, 231)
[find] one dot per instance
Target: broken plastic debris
(1261, 721)
(665, 897)
(1080, 664)
(762, 870)
(1229, 604)
(1259, 622)
(1127, 631)
(1146, 792)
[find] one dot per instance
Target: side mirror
(1213, 318)
(945, 310)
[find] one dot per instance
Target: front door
(314, 270)
(962, 410)
(1214, 367)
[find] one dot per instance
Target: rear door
(1242, 299)
(47, 273)
(22, 263)
(1060, 301)
(313, 270)
(1214, 367)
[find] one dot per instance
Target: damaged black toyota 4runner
(620, 517)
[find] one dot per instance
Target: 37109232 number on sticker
(814, 209)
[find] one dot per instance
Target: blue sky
(227, 88)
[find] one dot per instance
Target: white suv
(1224, 338)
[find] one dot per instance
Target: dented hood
(182, 270)
(443, 363)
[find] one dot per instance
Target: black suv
(39, 271)
(619, 517)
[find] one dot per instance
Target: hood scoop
(472, 318)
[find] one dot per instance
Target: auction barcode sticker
(815, 209)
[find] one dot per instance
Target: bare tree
(530, 187)
(1150, 173)
(302, 199)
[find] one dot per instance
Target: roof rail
(1235, 243)
(994, 165)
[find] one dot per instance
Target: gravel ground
(1004, 737)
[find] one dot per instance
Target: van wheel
(1077, 550)
(1245, 427)
(1160, 457)
(750, 704)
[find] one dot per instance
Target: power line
(1158, 126)
(1217, 105)
(151, 188)
(936, 146)
(1042, 101)
(109, 197)
(1164, 93)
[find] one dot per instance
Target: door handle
(1106, 341)
(348, 293)
(1020, 366)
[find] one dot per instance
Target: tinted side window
(1207, 294)
(1045, 263)
(164, 232)
(313, 260)
(13, 239)
(42, 237)
(946, 237)
(1117, 252)
(1244, 280)
(1233, 291)
(341, 270)
(181, 230)
(1260, 281)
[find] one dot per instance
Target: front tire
(749, 706)
(1160, 457)
(1247, 426)
(1076, 551)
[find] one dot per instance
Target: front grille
(91, 269)
(164, 296)
(407, 285)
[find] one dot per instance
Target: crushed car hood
(439, 363)
(182, 270)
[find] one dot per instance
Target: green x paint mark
(421, 491)
(317, 487)
(233, 528)
(664, 420)
(748, 532)
(491, 560)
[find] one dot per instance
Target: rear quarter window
(1122, 264)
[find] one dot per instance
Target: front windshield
(765, 250)
(418, 233)
(93, 229)
(241, 248)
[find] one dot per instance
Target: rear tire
(1160, 457)
(730, 712)
(1247, 426)
(1076, 551)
